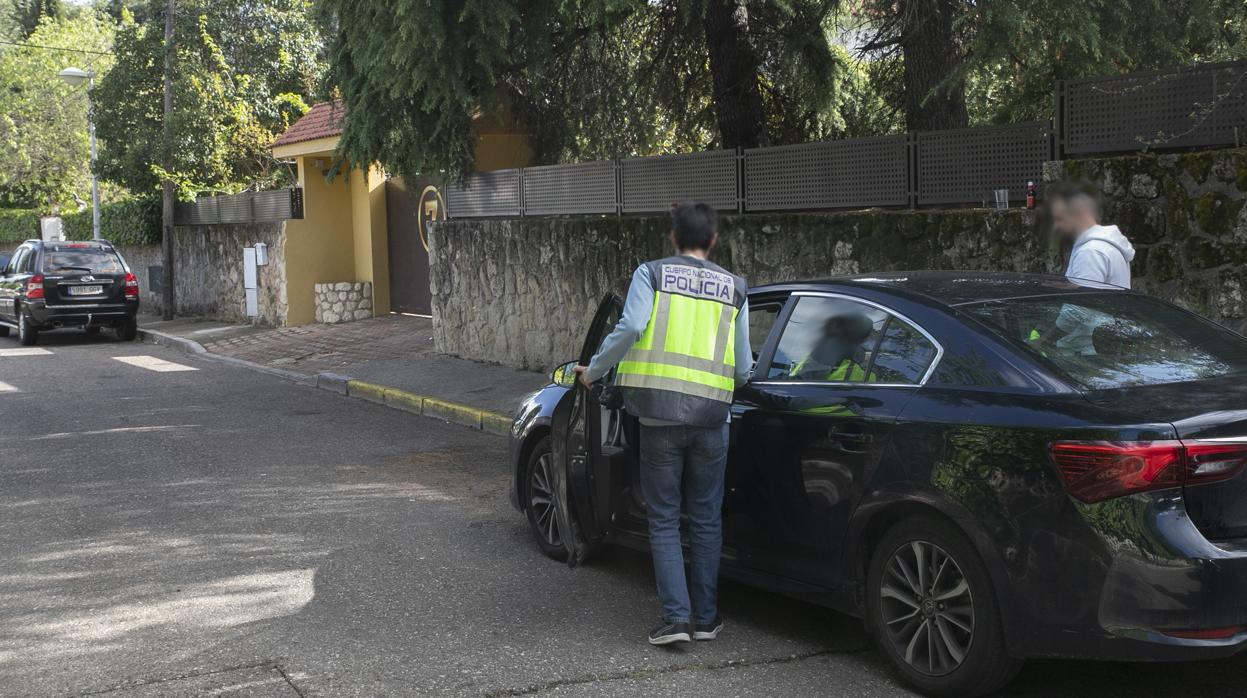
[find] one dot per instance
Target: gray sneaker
(668, 633)
(708, 631)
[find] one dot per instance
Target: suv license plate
(85, 290)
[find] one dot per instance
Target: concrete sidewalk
(390, 360)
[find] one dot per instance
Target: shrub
(18, 224)
(129, 222)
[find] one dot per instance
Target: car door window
(19, 264)
(761, 321)
(904, 355)
(828, 339)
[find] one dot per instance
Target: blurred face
(1069, 218)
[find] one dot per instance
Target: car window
(86, 261)
(761, 320)
(1110, 340)
(18, 265)
(828, 339)
(904, 355)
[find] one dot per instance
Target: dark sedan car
(985, 467)
(49, 285)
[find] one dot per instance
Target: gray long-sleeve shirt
(636, 313)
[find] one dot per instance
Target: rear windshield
(84, 261)
(1113, 340)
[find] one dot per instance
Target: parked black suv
(46, 285)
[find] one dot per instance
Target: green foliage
(585, 79)
(44, 152)
(244, 69)
(18, 224)
(128, 222)
(26, 15)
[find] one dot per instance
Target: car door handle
(851, 436)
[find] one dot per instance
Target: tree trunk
(734, 65)
(932, 52)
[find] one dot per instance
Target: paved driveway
(175, 526)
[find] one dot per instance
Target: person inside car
(838, 356)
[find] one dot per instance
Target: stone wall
(343, 302)
(208, 272)
(520, 292)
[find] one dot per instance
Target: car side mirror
(564, 375)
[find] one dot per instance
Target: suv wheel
(27, 335)
(539, 490)
(128, 330)
(4, 330)
(931, 608)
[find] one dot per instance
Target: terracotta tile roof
(323, 120)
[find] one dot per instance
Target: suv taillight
(1097, 470)
(34, 287)
(132, 286)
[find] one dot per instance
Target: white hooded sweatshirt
(1101, 255)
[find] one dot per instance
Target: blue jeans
(685, 463)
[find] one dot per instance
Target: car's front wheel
(539, 491)
(932, 610)
(27, 335)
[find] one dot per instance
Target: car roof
(71, 244)
(949, 287)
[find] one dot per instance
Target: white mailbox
(261, 254)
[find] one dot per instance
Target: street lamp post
(75, 77)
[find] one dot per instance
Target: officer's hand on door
(583, 372)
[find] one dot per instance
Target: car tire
(923, 632)
(127, 331)
(91, 331)
(27, 335)
(539, 501)
(4, 330)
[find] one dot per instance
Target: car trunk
(1212, 412)
(83, 277)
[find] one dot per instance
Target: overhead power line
(55, 48)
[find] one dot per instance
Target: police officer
(682, 347)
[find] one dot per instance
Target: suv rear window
(1113, 340)
(82, 260)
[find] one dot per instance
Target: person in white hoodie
(1101, 253)
(1100, 256)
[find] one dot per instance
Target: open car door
(588, 453)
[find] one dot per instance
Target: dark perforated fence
(1205, 106)
(248, 207)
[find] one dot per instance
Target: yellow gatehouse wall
(343, 233)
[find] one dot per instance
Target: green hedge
(18, 224)
(130, 222)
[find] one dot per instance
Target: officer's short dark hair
(694, 226)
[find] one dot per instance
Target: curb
(487, 421)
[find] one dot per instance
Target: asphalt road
(218, 531)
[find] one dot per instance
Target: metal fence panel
(248, 207)
(964, 166)
(651, 185)
(1203, 106)
(583, 188)
(484, 194)
(853, 173)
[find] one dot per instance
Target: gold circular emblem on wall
(430, 208)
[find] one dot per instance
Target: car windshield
(1113, 340)
(87, 261)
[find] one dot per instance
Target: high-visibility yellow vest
(847, 371)
(682, 368)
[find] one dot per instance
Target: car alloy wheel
(541, 501)
(927, 608)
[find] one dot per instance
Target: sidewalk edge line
(192, 348)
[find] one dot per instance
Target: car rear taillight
(1097, 470)
(1206, 633)
(34, 287)
(132, 285)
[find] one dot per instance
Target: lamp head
(74, 76)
